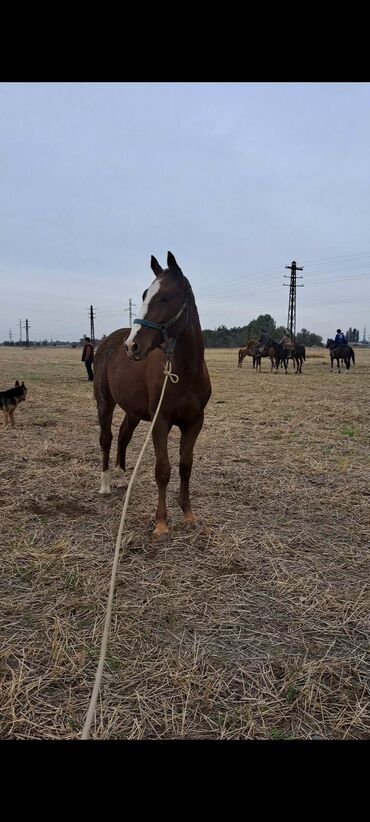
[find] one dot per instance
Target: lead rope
(168, 375)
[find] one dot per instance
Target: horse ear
(16, 382)
(172, 264)
(154, 264)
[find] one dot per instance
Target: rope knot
(167, 370)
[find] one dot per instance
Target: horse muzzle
(133, 350)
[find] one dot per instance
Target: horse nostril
(134, 347)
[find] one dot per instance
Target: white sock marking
(105, 482)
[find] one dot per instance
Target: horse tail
(239, 357)
(352, 355)
(304, 353)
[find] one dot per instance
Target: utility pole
(10, 335)
(131, 305)
(364, 337)
(20, 332)
(92, 328)
(27, 326)
(292, 309)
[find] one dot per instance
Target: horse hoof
(189, 519)
(160, 529)
(121, 481)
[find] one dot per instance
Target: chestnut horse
(247, 351)
(129, 373)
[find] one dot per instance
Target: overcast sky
(236, 179)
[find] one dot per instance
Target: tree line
(223, 337)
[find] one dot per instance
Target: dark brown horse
(129, 373)
(269, 352)
(344, 353)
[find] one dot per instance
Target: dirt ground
(253, 625)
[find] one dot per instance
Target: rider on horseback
(262, 342)
(340, 338)
(286, 341)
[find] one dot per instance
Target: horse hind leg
(126, 431)
(189, 434)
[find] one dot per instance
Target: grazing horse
(247, 351)
(340, 352)
(129, 373)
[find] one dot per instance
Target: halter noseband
(168, 342)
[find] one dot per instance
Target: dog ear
(16, 382)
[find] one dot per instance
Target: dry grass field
(254, 625)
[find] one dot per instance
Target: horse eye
(145, 293)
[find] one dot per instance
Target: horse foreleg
(126, 431)
(105, 414)
(189, 434)
(162, 473)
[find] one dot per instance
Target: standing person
(88, 357)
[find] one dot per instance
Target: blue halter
(168, 342)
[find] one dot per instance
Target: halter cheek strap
(168, 342)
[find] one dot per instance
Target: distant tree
(308, 338)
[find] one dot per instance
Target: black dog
(9, 400)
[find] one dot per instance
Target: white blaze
(152, 290)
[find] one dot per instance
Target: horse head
(164, 311)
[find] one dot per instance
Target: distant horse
(297, 354)
(345, 353)
(250, 350)
(276, 351)
(129, 372)
(247, 351)
(268, 352)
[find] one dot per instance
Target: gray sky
(236, 179)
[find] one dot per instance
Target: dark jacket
(88, 353)
(340, 339)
